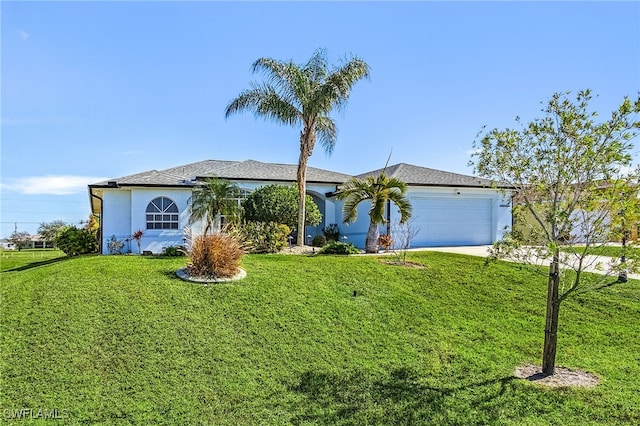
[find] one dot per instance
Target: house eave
(450, 185)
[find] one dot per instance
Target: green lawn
(25, 259)
(120, 340)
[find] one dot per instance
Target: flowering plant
(138, 237)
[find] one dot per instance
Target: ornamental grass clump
(215, 256)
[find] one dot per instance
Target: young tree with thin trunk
(20, 239)
(302, 96)
(571, 179)
(49, 230)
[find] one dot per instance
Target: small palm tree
(302, 95)
(215, 197)
(379, 190)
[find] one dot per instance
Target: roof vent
(112, 183)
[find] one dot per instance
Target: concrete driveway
(591, 261)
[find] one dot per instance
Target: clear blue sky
(102, 90)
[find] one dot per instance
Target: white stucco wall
(116, 215)
(125, 212)
(156, 240)
(355, 232)
(500, 210)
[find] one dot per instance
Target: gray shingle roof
(255, 170)
(423, 176)
(233, 170)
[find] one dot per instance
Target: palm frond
(327, 132)
(339, 83)
(403, 204)
(278, 74)
(286, 79)
(378, 190)
(316, 68)
(216, 196)
(264, 101)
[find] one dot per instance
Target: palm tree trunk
(302, 189)
(371, 245)
(551, 327)
(307, 141)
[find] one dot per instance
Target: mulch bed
(563, 377)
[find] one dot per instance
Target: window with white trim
(162, 213)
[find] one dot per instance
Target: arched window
(162, 213)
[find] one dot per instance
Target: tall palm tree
(302, 95)
(216, 196)
(379, 190)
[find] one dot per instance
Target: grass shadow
(36, 264)
(402, 397)
(170, 274)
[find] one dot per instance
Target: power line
(43, 201)
(48, 213)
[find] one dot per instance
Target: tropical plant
(379, 190)
(138, 237)
(215, 255)
(264, 237)
(569, 175)
(331, 232)
(215, 197)
(74, 241)
(92, 224)
(385, 241)
(337, 247)
(278, 203)
(302, 96)
(319, 241)
(174, 251)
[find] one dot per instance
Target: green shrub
(174, 251)
(265, 237)
(332, 232)
(336, 247)
(74, 241)
(278, 203)
(319, 241)
(215, 256)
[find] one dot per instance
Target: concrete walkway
(590, 261)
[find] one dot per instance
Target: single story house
(448, 209)
(36, 241)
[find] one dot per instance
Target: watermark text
(34, 413)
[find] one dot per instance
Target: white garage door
(452, 221)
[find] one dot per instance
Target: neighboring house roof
(423, 176)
